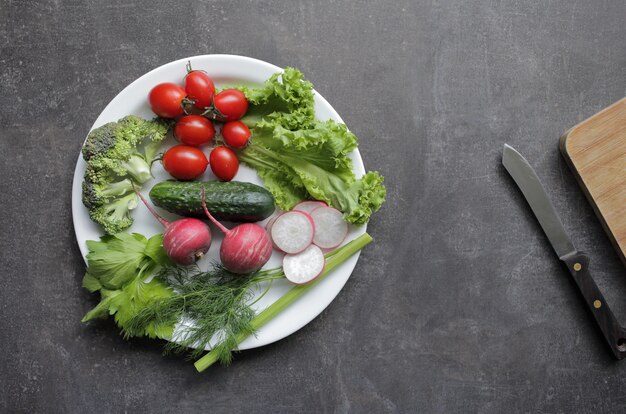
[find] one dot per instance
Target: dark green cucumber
(231, 201)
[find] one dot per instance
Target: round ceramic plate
(224, 70)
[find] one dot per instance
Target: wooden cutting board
(595, 150)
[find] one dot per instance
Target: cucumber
(231, 201)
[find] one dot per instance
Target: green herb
(299, 157)
(333, 260)
(117, 267)
(211, 305)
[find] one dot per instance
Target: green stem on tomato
(341, 255)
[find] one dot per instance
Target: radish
(304, 267)
(245, 248)
(330, 227)
(268, 229)
(309, 205)
(186, 240)
(293, 231)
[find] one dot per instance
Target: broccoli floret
(114, 217)
(118, 154)
(96, 194)
(134, 166)
(100, 140)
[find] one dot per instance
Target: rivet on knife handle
(576, 261)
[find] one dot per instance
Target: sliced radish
(305, 266)
(293, 231)
(309, 205)
(330, 227)
(268, 228)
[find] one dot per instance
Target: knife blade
(577, 262)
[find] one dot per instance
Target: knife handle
(578, 265)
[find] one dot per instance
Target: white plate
(224, 70)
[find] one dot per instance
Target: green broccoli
(118, 155)
(96, 194)
(114, 216)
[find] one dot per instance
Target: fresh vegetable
(245, 248)
(185, 240)
(230, 104)
(285, 98)
(330, 227)
(232, 201)
(293, 231)
(224, 163)
(268, 229)
(166, 100)
(184, 162)
(118, 154)
(299, 157)
(194, 130)
(215, 303)
(199, 87)
(309, 205)
(235, 134)
(223, 350)
(302, 268)
(117, 267)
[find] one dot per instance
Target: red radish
(330, 227)
(309, 205)
(245, 248)
(186, 240)
(293, 231)
(304, 267)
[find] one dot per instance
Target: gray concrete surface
(459, 306)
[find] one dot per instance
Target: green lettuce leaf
(299, 157)
(285, 98)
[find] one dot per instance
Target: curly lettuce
(299, 157)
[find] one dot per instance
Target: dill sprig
(208, 305)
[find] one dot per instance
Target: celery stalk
(340, 255)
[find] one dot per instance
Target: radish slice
(268, 228)
(330, 227)
(269, 224)
(305, 266)
(309, 205)
(293, 231)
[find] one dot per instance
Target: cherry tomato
(194, 130)
(165, 100)
(236, 134)
(200, 88)
(231, 104)
(184, 162)
(224, 163)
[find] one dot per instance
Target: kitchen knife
(576, 261)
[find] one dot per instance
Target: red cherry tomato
(165, 100)
(235, 134)
(184, 162)
(194, 130)
(200, 88)
(231, 104)
(224, 163)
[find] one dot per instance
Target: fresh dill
(208, 305)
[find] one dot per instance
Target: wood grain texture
(595, 149)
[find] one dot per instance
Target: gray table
(459, 306)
